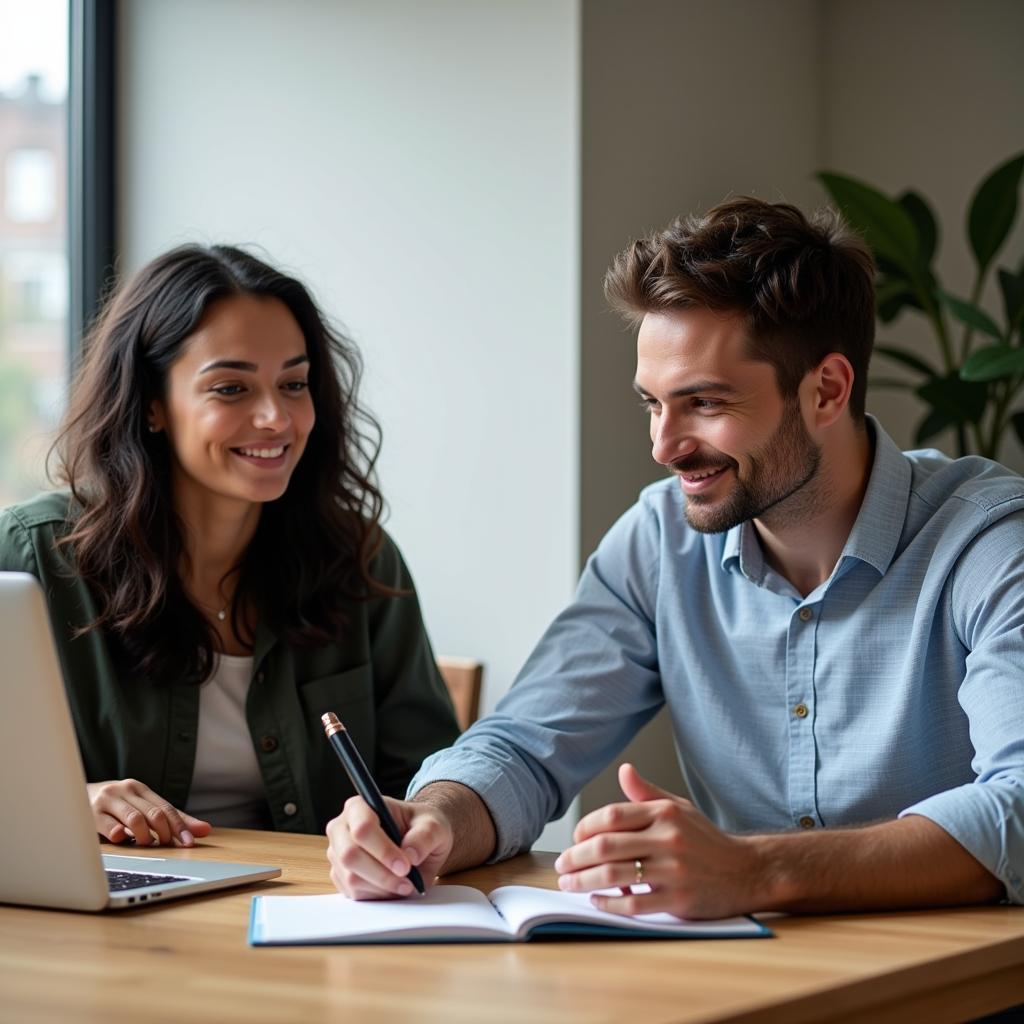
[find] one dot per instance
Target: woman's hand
(126, 808)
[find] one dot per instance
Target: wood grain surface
(188, 961)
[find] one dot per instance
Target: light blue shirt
(896, 687)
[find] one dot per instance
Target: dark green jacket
(380, 678)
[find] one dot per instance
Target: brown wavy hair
(805, 286)
(310, 556)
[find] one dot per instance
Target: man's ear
(830, 384)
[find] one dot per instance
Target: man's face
(719, 422)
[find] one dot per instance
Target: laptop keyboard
(118, 881)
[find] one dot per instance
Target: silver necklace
(221, 613)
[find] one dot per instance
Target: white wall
(417, 165)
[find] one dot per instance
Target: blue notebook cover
(459, 914)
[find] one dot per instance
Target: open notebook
(457, 913)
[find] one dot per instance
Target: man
(836, 627)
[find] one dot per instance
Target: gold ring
(639, 866)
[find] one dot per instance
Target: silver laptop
(49, 855)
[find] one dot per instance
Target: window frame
(92, 165)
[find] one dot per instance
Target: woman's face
(237, 411)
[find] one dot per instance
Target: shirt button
(806, 614)
(268, 744)
(807, 821)
(291, 809)
(800, 711)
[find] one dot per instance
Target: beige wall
(926, 94)
(684, 102)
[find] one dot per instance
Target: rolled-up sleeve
(987, 607)
(591, 682)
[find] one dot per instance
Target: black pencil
(361, 778)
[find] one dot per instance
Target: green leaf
(961, 400)
(967, 313)
(886, 226)
(891, 296)
(886, 268)
(900, 355)
(920, 278)
(1017, 419)
(1012, 287)
(924, 221)
(934, 423)
(993, 363)
(993, 210)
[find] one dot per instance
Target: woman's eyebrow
(240, 364)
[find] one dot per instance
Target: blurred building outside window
(34, 282)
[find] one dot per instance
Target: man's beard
(779, 468)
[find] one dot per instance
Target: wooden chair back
(463, 677)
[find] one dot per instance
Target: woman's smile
(264, 456)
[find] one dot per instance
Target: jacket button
(290, 809)
(268, 744)
(807, 821)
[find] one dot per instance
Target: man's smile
(696, 478)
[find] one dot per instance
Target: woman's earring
(153, 429)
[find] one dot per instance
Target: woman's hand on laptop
(125, 808)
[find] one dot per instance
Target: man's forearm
(911, 862)
(472, 828)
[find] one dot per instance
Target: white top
(227, 787)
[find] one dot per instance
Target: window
(31, 186)
(56, 214)
(34, 279)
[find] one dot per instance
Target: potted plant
(974, 383)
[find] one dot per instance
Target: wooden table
(189, 962)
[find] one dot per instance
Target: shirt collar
(879, 524)
(876, 530)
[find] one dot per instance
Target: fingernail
(413, 855)
(399, 866)
(558, 864)
(564, 883)
(186, 837)
(405, 889)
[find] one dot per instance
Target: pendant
(222, 614)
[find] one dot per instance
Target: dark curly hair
(311, 553)
(806, 287)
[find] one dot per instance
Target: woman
(216, 572)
